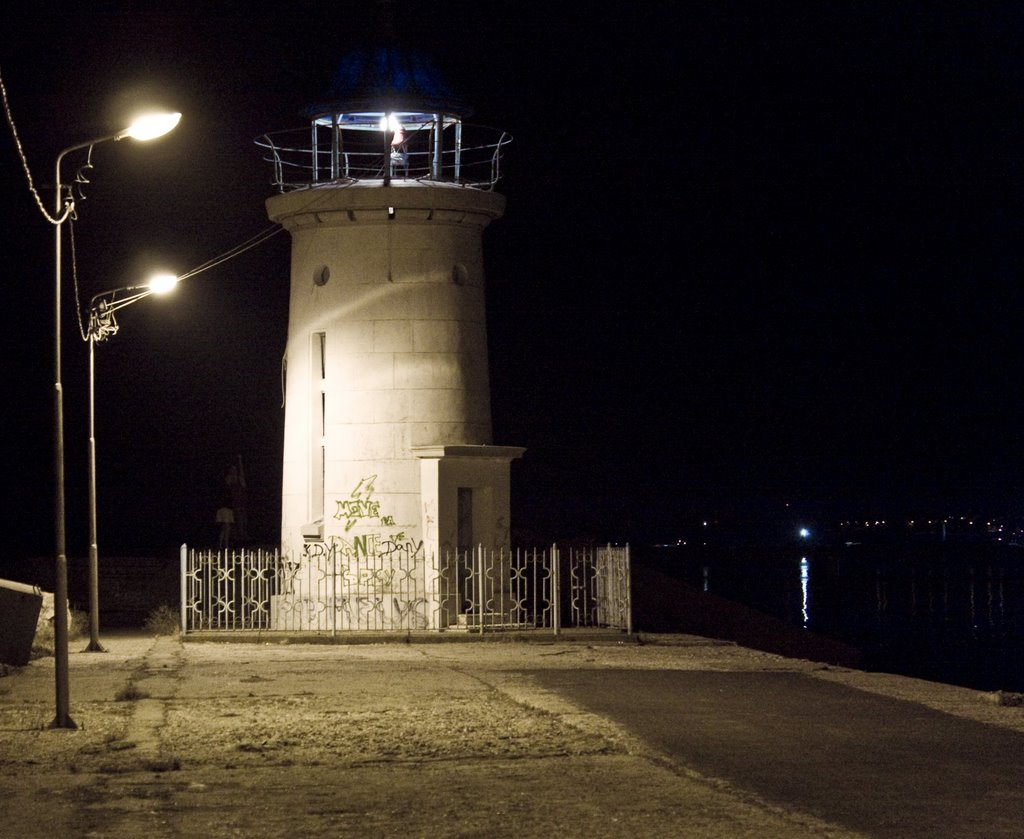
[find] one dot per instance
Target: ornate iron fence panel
(504, 589)
(330, 589)
(599, 587)
(228, 591)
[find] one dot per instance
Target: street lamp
(145, 128)
(103, 325)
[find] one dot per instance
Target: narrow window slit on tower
(318, 458)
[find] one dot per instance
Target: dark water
(945, 612)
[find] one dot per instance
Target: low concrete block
(20, 605)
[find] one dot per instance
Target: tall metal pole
(94, 562)
(437, 165)
(62, 719)
(556, 591)
(143, 129)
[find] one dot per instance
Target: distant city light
(949, 527)
(805, 580)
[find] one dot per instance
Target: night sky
(762, 254)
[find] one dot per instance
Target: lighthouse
(389, 462)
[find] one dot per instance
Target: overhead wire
(231, 253)
(69, 214)
(68, 206)
(237, 250)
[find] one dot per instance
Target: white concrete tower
(387, 444)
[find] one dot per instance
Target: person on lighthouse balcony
(399, 152)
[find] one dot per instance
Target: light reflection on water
(805, 581)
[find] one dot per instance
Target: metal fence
(326, 590)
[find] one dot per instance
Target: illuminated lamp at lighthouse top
(388, 119)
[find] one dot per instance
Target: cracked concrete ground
(373, 740)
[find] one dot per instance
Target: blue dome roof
(387, 79)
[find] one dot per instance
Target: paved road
(873, 764)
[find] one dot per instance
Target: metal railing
(469, 156)
(330, 590)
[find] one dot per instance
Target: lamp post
(103, 325)
(144, 128)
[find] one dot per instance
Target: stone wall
(130, 587)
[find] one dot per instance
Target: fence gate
(599, 588)
(476, 591)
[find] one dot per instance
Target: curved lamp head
(162, 283)
(151, 126)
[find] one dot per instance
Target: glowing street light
(103, 325)
(150, 126)
(146, 128)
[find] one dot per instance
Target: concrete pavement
(882, 766)
(584, 736)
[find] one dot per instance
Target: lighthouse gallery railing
(305, 157)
